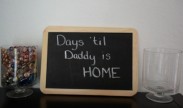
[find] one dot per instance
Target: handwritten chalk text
(80, 56)
(110, 72)
(62, 40)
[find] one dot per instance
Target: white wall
(159, 22)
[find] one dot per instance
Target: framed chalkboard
(89, 61)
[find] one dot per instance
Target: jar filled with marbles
(18, 69)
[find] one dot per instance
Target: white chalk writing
(74, 53)
(96, 72)
(81, 56)
(61, 40)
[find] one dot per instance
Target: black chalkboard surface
(89, 61)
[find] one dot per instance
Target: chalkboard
(89, 61)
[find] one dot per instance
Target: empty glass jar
(161, 73)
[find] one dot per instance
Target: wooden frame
(93, 92)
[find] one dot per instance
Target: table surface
(39, 100)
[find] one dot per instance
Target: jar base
(20, 94)
(159, 99)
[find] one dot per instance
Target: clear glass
(161, 73)
(18, 70)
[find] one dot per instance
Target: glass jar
(161, 73)
(18, 69)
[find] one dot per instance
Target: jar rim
(163, 50)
